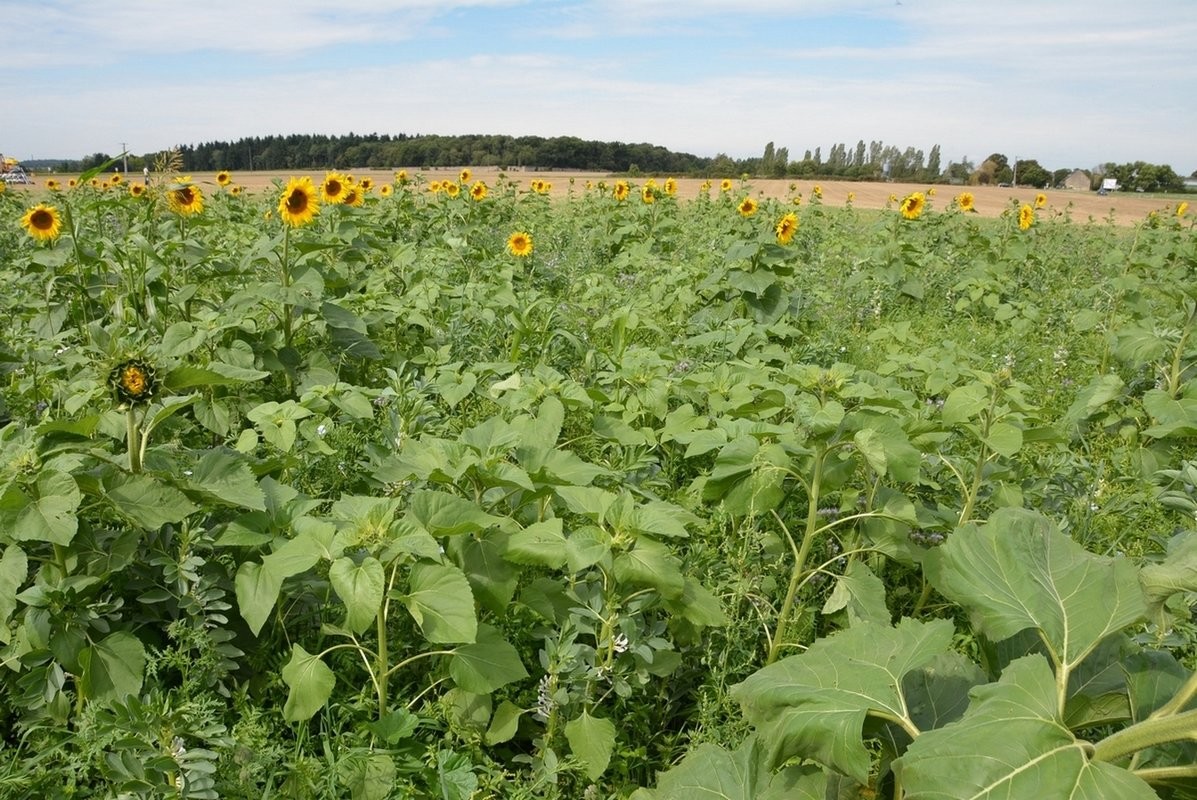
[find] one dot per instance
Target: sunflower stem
(133, 434)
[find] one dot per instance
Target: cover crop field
(458, 486)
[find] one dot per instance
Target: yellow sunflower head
(1026, 217)
(1182, 209)
(747, 207)
(333, 188)
(786, 228)
(133, 382)
(354, 196)
(186, 198)
(851, 198)
(671, 186)
(519, 244)
(648, 193)
(434, 186)
(42, 222)
(913, 205)
(117, 179)
(386, 190)
(817, 192)
(452, 189)
(620, 192)
(366, 184)
(465, 176)
(136, 190)
(224, 178)
(725, 185)
(1040, 200)
(235, 190)
(478, 191)
(52, 185)
(72, 183)
(966, 202)
(401, 177)
(298, 205)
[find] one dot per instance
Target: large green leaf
(443, 514)
(440, 601)
(257, 590)
(814, 705)
(541, 543)
(860, 595)
(487, 664)
(52, 516)
(360, 587)
(1176, 573)
(1017, 571)
(708, 772)
(310, 682)
(224, 476)
(148, 503)
(112, 668)
(1012, 744)
(14, 569)
(650, 563)
(592, 740)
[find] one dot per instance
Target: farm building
(1078, 180)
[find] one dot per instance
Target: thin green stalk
(133, 437)
(808, 538)
(1148, 733)
(286, 281)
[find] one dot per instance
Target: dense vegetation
(467, 492)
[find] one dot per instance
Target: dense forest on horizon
(873, 160)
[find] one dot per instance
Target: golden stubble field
(991, 201)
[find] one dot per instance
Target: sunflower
(333, 189)
(747, 207)
(620, 192)
(478, 191)
(434, 186)
(537, 185)
(136, 190)
(133, 382)
(817, 192)
(72, 183)
(1026, 217)
(705, 187)
(386, 190)
(298, 206)
(1182, 209)
(465, 176)
(366, 184)
(931, 192)
(235, 190)
(725, 185)
(224, 178)
(185, 198)
(117, 179)
(52, 185)
(1040, 200)
(42, 222)
(354, 196)
(452, 189)
(851, 197)
(519, 244)
(671, 186)
(401, 177)
(95, 183)
(648, 194)
(786, 228)
(966, 202)
(912, 207)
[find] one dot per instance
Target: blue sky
(1071, 83)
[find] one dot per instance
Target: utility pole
(125, 153)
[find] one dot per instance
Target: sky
(1071, 83)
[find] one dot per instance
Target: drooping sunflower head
(519, 244)
(298, 206)
(747, 207)
(332, 190)
(966, 202)
(786, 228)
(913, 205)
(1026, 217)
(185, 199)
(224, 178)
(133, 381)
(478, 191)
(1182, 209)
(817, 192)
(42, 222)
(1040, 200)
(465, 176)
(620, 192)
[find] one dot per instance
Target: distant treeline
(872, 160)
